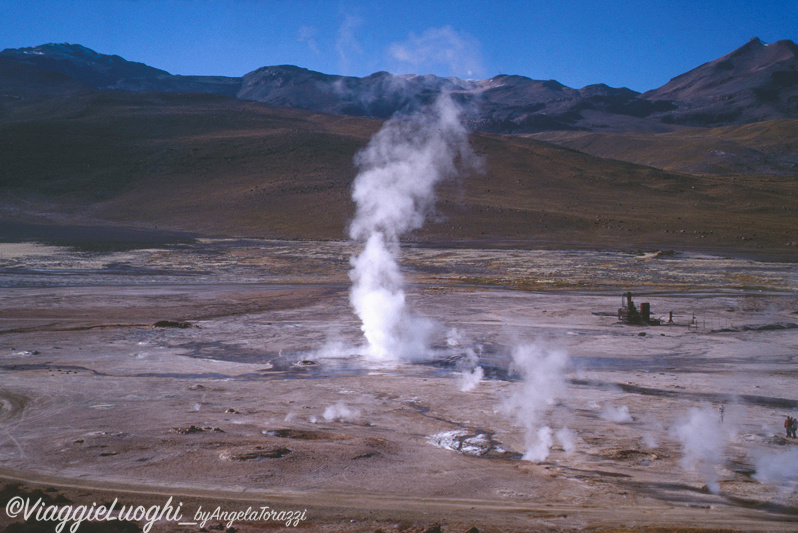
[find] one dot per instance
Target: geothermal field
(235, 373)
(369, 385)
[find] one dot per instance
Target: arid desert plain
(232, 374)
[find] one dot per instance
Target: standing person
(793, 427)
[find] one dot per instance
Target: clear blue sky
(640, 45)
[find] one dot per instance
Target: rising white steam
(394, 191)
(779, 468)
(542, 374)
(615, 414)
(439, 49)
(704, 439)
(469, 379)
(470, 373)
(567, 440)
(340, 412)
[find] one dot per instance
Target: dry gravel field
(230, 374)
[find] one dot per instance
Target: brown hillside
(760, 148)
(218, 166)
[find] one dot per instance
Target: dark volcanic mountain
(20, 80)
(82, 64)
(379, 95)
(755, 82)
(111, 72)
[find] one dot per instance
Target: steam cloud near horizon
(394, 192)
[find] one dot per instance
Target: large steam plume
(394, 191)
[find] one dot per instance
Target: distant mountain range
(90, 142)
(753, 83)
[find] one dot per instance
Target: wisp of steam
(542, 373)
(704, 439)
(394, 192)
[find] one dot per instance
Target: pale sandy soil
(264, 400)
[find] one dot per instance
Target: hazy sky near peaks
(635, 44)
